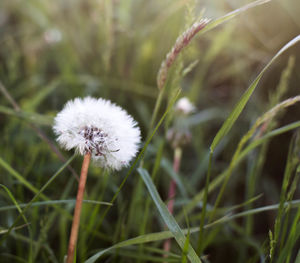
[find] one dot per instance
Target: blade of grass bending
(230, 209)
(38, 131)
(269, 115)
(291, 164)
(227, 125)
(218, 180)
(53, 202)
(34, 101)
(282, 214)
(28, 116)
(256, 166)
(211, 25)
(132, 256)
(158, 236)
(17, 206)
(291, 242)
(38, 193)
(18, 176)
(167, 217)
(269, 135)
(141, 154)
(146, 219)
(4, 231)
(157, 107)
(155, 170)
(184, 258)
(232, 14)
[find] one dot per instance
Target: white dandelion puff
(98, 127)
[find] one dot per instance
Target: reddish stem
(172, 193)
(76, 217)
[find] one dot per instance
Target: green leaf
(169, 220)
(18, 176)
(17, 206)
(37, 192)
(246, 96)
(158, 236)
(28, 116)
(185, 249)
(234, 13)
(218, 180)
(34, 101)
(4, 231)
(167, 217)
(141, 154)
(53, 202)
(268, 136)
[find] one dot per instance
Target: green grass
(238, 183)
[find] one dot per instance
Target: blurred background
(53, 51)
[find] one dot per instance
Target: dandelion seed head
(98, 127)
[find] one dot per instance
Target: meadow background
(53, 51)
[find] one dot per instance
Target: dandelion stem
(76, 217)
(172, 192)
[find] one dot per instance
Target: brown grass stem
(77, 211)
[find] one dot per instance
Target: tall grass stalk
(256, 170)
(265, 118)
(141, 55)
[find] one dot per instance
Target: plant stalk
(77, 211)
(172, 192)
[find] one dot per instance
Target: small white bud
(53, 36)
(184, 105)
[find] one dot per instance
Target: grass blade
(167, 217)
(232, 14)
(141, 154)
(218, 180)
(158, 236)
(17, 206)
(53, 202)
(229, 122)
(38, 193)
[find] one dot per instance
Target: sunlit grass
(242, 164)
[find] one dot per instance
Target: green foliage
(168, 218)
(238, 184)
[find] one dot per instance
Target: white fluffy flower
(184, 105)
(99, 127)
(53, 36)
